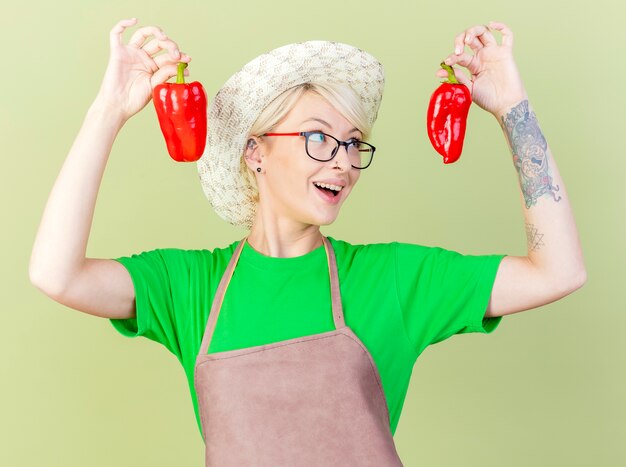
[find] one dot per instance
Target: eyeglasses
(323, 147)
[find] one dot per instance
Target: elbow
(581, 279)
(560, 288)
(573, 283)
(48, 286)
(52, 279)
(35, 278)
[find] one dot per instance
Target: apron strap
(228, 274)
(335, 292)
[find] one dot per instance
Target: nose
(341, 159)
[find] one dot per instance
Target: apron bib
(311, 401)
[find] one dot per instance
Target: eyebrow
(327, 124)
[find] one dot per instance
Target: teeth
(326, 185)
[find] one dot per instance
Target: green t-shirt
(398, 298)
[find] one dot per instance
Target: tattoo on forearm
(535, 239)
(530, 156)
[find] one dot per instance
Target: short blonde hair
(339, 95)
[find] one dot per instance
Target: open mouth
(327, 191)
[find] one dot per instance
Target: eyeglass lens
(323, 148)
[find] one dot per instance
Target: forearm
(61, 242)
(553, 243)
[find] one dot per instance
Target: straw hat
(240, 101)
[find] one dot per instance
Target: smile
(329, 195)
(333, 189)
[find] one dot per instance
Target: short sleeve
(155, 275)
(442, 292)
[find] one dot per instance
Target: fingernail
(457, 50)
(176, 52)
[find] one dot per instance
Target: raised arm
(554, 266)
(58, 264)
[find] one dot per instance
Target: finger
(481, 33)
(461, 77)
(115, 36)
(507, 34)
(459, 44)
(165, 73)
(475, 44)
(167, 59)
(454, 59)
(469, 61)
(156, 45)
(140, 35)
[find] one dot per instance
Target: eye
(317, 137)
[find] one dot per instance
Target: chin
(327, 222)
(320, 214)
(326, 219)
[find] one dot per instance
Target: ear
(252, 154)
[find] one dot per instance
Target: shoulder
(210, 259)
(179, 258)
(341, 246)
(366, 255)
(380, 250)
(403, 257)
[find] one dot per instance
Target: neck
(283, 238)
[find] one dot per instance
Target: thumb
(166, 72)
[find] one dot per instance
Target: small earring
(258, 169)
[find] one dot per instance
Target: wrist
(108, 111)
(506, 109)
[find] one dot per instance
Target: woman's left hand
(495, 83)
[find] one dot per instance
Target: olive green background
(546, 389)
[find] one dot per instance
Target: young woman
(312, 354)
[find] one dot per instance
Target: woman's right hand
(133, 71)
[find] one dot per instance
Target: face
(287, 186)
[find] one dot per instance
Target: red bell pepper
(447, 116)
(182, 112)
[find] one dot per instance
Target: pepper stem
(180, 76)
(451, 78)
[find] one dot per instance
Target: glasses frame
(306, 134)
